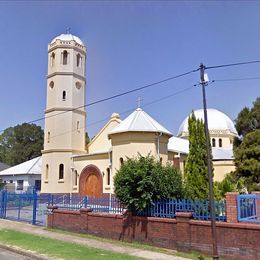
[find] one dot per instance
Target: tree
(229, 184)
(141, 180)
(247, 161)
(196, 174)
(21, 143)
(247, 146)
(248, 120)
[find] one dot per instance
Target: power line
(116, 96)
(235, 79)
(232, 64)
(127, 111)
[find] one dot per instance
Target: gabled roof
(30, 167)
(139, 121)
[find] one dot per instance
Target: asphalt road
(9, 255)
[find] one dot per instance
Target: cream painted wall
(101, 161)
(221, 168)
(101, 142)
(131, 143)
(64, 132)
(53, 184)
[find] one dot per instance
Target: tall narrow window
(64, 95)
(121, 161)
(213, 142)
(220, 142)
(52, 59)
(46, 172)
(76, 178)
(65, 58)
(108, 176)
(61, 171)
(48, 137)
(78, 126)
(78, 60)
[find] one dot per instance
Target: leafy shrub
(140, 180)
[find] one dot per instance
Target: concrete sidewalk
(41, 231)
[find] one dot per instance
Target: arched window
(160, 160)
(213, 142)
(78, 60)
(46, 172)
(121, 161)
(61, 171)
(76, 178)
(48, 137)
(52, 59)
(108, 176)
(65, 58)
(64, 95)
(220, 142)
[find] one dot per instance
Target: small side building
(24, 176)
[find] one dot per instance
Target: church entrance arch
(91, 182)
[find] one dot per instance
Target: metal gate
(29, 207)
(248, 208)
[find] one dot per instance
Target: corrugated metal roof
(222, 154)
(139, 121)
(33, 166)
(178, 145)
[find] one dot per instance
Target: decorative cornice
(61, 151)
(66, 74)
(77, 47)
(63, 109)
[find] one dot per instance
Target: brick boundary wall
(235, 240)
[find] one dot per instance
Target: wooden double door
(90, 182)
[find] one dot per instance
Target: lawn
(56, 248)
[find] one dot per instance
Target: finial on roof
(139, 100)
(68, 30)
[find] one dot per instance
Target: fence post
(257, 203)
(86, 201)
(35, 197)
(4, 202)
(231, 207)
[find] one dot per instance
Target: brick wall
(238, 241)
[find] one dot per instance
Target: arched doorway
(91, 182)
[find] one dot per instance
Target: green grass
(56, 248)
(191, 255)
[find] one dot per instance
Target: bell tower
(65, 116)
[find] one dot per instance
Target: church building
(68, 166)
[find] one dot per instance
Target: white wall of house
(22, 182)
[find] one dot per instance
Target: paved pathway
(11, 255)
(40, 231)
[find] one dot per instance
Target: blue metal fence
(30, 206)
(200, 209)
(75, 202)
(248, 208)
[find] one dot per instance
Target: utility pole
(209, 165)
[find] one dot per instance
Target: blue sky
(131, 44)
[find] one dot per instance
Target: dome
(216, 121)
(68, 37)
